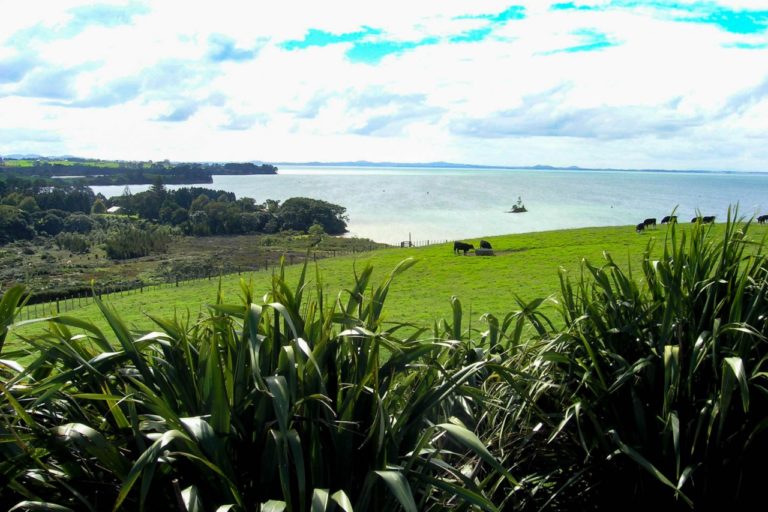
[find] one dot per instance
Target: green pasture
(647, 386)
(525, 267)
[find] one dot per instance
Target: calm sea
(388, 204)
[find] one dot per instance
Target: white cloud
(653, 92)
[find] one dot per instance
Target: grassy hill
(525, 266)
(648, 388)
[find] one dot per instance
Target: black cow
(461, 246)
(485, 244)
(708, 220)
(649, 222)
(669, 219)
(761, 219)
(640, 227)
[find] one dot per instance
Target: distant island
(84, 171)
(91, 171)
(451, 165)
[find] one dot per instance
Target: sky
(602, 83)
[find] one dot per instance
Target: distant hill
(450, 165)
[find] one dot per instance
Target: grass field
(603, 403)
(525, 267)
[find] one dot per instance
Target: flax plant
(289, 402)
(654, 391)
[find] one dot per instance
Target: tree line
(29, 208)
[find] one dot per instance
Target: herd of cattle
(669, 219)
(465, 247)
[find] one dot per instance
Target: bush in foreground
(648, 390)
(654, 390)
(293, 402)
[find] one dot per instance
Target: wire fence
(77, 300)
(421, 243)
(74, 301)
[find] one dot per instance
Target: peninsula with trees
(84, 171)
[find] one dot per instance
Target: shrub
(14, 225)
(73, 242)
(98, 207)
(79, 223)
(299, 213)
(134, 242)
(653, 392)
(49, 224)
(279, 405)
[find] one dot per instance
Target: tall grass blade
(646, 465)
(400, 488)
(10, 304)
(39, 505)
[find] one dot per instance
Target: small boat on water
(518, 207)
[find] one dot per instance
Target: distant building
(114, 209)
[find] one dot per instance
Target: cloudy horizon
(612, 83)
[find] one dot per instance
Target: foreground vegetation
(641, 388)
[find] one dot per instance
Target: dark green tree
(299, 213)
(14, 225)
(98, 207)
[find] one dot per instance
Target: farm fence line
(421, 243)
(77, 300)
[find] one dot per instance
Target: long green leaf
(96, 445)
(400, 488)
(646, 465)
(471, 441)
(39, 505)
(342, 500)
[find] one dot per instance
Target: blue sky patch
(372, 52)
(746, 46)
(513, 12)
(315, 37)
(570, 6)
(180, 113)
(223, 49)
(82, 17)
(471, 36)
(736, 22)
(106, 15)
(592, 40)
(14, 69)
(731, 20)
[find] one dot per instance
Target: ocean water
(389, 204)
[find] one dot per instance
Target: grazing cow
(695, 220)
(761, 219)
(708, 220)
(485, 245)
(461, 246)
(669, 219)
(640, 227)
(649, 222)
